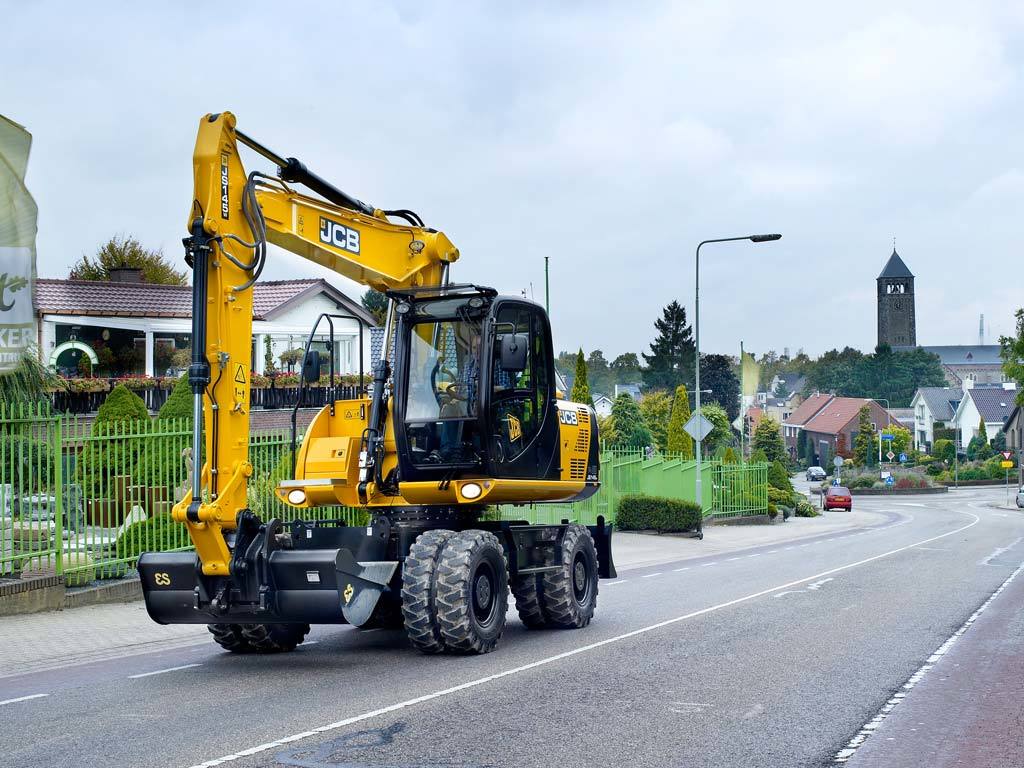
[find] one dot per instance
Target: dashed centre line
(708, 565)
(24, 698)
(163, 671)
(651, 575)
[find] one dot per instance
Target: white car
(815, 473)
(1020, 497)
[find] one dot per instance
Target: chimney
(126, 275)
(981, 330)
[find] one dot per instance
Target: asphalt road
(776, 656)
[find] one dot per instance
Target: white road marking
(564, 655)
(730, 559)
(708, 565)
(24, 698)
(651, 575)
(843, 755)
(309, 642)
(613, 583)
(771, 551)
(756, 554)
(1001, 550)
(685, 568)
(163, 671)
(818, 584)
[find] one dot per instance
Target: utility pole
(547, 288)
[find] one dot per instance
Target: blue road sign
(887, 436)
(903, 458)
(890, 480)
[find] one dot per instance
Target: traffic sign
(903, 458)
(698, 427)
(1006, 464)
(890, 455)
(1007, 455)
(887, 436)
(838, 461)
(890, 480)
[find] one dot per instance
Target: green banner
(17, 246)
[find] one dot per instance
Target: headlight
(471, 491)
(297, 496)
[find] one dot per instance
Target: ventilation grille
(583, 436)
(577, 469)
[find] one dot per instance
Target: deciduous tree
(656, 408)
(121, 251)
(768, 438)
(630, 429)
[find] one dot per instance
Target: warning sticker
(240, 374)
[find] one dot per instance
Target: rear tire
(258, 638)
(526, 591)
(472, 592)
(229, 637)
(419, 590)
(274, 638)
(568, 596)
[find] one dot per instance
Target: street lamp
(696, 335)
(888, 424)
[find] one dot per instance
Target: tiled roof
(831, 419)
(967, 354)
(895, 267)
(993, 403)
(941, 401)
(807, 409)
(103, 299)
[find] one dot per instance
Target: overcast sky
(611, 138)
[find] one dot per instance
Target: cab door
(522, 421)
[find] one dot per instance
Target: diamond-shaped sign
(890, 455)
(698, 427)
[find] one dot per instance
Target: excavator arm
(234, 216)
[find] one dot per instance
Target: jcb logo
(515, 429)
(569, 417)
(162, 579)
(338, 235)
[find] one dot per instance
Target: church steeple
(897, 323)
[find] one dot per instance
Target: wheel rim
(485, 596)
(581, 581)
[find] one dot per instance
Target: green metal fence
(727, 490)
(86, 499)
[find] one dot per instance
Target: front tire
(568, 596)
(472, 592)
(419, 590)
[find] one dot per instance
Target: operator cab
(479, 395)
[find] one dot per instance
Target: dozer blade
(361, 585)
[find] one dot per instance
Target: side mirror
(311, 367)
(513, 352)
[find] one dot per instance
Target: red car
(838, 497)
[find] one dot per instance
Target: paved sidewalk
(96, 632)
(636, 550)
(968, 707)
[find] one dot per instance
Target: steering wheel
(448, 388)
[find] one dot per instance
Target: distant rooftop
(967, 354)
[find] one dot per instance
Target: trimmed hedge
(645, 513)
(156, 534)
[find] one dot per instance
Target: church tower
(897, 325)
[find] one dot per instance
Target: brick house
(829, 426)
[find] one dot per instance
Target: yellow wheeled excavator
(461, 413)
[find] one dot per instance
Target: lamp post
(696, 335)
(888, 424)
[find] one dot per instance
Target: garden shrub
(179, 403)
(779, 497)
(122, 413)
(156, 534)
(773, 511)
(778, 477)
(804, 508)
(641, 513)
